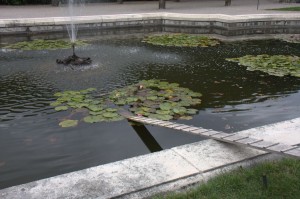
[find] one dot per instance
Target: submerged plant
(278, 65)
(149, 98)
(181, 40)
(44, 45)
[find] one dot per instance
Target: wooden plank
(210, 133)
(249, 141)
(173, 125)
(235, 137)
(190, 129)
(263, 144)
(199, 130)
(220, 135)
(281, 147)
(166, 124)
(182, 127)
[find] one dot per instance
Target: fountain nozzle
(73, 48)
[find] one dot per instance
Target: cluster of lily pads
(149, 98)
(278, 65)
(44, 45)
(294, 38)
(181, 40)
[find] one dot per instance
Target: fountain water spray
(72, 31)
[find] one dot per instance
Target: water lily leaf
(114, 119)
(191, 111)
(95, 108)
(111, 109)
(164, 112)
(95, 113)
(165, 106)
(110, 115)
(180, 110)
(161, 117)
(93, 119)
(131, 99)
(68, 123)
(61, 108)
(120, 102)
(55, 103)
(58, 94)
(152, 98)
(81, 105)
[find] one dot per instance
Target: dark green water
(33, 146)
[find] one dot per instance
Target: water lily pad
(277, 65)
(68, 123)
(95, 108)
(164, 112)
(56, 103)
(181, 40)
(179, 110)
(93, 119)
(111, 109)
(110, 115)
(165, 106)
(44, 45)
(152, 98)
(61, 108)
(161, 117)
(191, 111)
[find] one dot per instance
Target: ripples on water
(33, 146)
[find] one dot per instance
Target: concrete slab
(287, 132)
(211, 154)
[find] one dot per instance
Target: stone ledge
(146, 19)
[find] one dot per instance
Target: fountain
(72, 31)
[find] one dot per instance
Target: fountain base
(74, 60)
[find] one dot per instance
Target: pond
(33, 146)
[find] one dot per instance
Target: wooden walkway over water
(233, 138)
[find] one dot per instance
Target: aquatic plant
(181, 40)
(278, 65)
(44, 45)
(149, 98)
(294, 38)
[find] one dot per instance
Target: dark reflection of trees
(23, 93)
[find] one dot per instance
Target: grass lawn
(283, 181)
(288, 9)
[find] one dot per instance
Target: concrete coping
(147, 16)
(145, 175)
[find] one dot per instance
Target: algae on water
(44, 45)
(277, 65)
(149, 98)
(181, 40)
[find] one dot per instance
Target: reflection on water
(33, 146)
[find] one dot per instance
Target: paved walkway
(238, 7)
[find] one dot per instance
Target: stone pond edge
(167, 170)
(100, 22)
